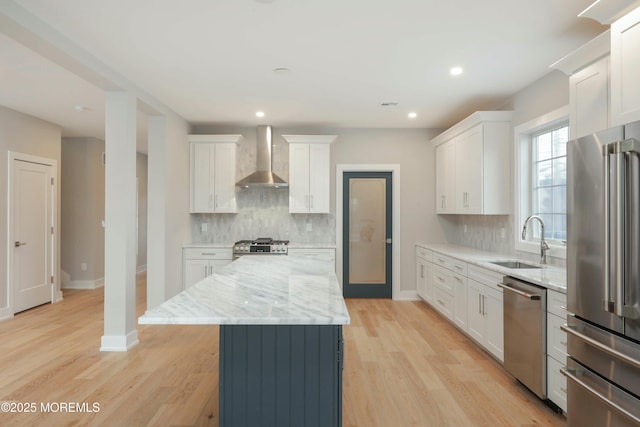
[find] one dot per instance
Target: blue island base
(281, 375)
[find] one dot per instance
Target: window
(549, 192)
(541, 177)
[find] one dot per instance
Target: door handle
(18, 244)
(388, 241)
(534, 297)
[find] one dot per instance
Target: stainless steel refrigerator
(603, 286)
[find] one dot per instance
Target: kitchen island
(280, 341)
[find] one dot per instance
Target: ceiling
(213, 61)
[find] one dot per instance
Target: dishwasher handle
(534, 297)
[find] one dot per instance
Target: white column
(156, 203)
(120, 332)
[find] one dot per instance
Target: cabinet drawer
(557, 303)
(486, 277)
(324, 253)
(556, 383)
(208, 253)
(450, 263)
(442, 279)
(424, 253)
(556, 339)
(443, 302)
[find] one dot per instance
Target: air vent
(388, 104)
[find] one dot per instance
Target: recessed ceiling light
(413, 115)
(456, 71)
(260, 114)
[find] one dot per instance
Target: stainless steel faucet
(544, 246)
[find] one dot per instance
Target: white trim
(310, 139)
(215, 138)
(12, 156)
(119, 342)
(141, 269)
(585, 54)
(522, 207)
(408, 296)
(85, 284)
(471, 121)
(397, 243)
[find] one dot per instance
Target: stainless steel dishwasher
(525, 330)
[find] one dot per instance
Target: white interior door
(31, 231)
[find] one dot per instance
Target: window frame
(523, 177)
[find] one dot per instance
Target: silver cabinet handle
(422, 271)
(479, 304)
(205, 271)
(570, 375)
(441, 303)
(18, 244)
(533, 297)
(484, 313)
(209, 253)
(597, 344)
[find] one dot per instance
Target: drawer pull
(440, 279)
(209, 253)
(564, 343)
(441, 260)
(458, 267)
(459, 279)
(562, 307)
(563, 389)
(441, 303)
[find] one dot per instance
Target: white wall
(24, 134)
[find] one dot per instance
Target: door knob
(18, 244)
(388, 241)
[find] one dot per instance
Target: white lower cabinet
(484, 310)
(460, 301)
(449, 285)
(424, 279)
(198, 263)
(556, 348)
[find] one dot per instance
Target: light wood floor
(404, 366)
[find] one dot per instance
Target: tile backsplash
(263, 212)
(493, 233)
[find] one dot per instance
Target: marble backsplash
(493, 233)
(263, 212)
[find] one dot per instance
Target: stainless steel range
(260, 246)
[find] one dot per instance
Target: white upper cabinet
(213, 173)
(309, 172)
(625, 69)
(446, 178)
(589, 94)
(589, 99)
(473, 165)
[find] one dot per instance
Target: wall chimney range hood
(263, 176)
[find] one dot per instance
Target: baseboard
(58, 297)
(406, 296)
(65, 279)
(85, 284)
(119, 342)
(6, 313)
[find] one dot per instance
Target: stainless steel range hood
(263, 176)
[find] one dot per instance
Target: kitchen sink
(514, 264)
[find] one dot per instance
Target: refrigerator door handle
(620, 195)
(570, 374)
(607, 304)
(600, 346)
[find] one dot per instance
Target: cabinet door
(589, 99)
(469, 170)
(224, 178)
(202, 190)
(319, 171)
(421, 278)
(194, 271)
(625, 69)
(460, 301)
(299, 178)
(428, 281)
(495, 323)
(476, 323)
(445, 178)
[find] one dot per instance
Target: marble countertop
(548, 276)
(261, 290)
(321, 245)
